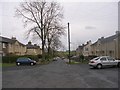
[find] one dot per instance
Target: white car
(102, 61)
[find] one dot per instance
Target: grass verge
(73, 62)
(82, 62)
(43, 62)
(7, 64)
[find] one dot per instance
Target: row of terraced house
(14, 47)
(109, 46)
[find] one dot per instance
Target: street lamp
(115, 48)
(69, 42)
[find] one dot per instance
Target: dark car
(25, 61)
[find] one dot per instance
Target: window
(103, 59)
(92, 52)
(110, 52)
(1, 44)
(4, 45)
(110, 58)
(86, 49)
(103, 52)
(10, 45)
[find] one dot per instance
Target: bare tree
(39, 16)
(54, 35)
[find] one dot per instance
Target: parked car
(25, 61)
(100, 62)
(63, 57)
(56, 58)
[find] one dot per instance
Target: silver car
(102, 61)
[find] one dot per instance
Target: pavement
(58, 74)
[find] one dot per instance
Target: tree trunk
(48, 52)
(43, 51)
(48, 48)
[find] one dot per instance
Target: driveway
(58, 74)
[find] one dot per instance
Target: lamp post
(115, 48)
(69, 42)
(106, 46)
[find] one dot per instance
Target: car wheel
(99, 66)
(118, 65)
(18, 64)
(31, 64)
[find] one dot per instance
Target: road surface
(58, 74)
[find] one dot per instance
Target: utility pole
(69, 42)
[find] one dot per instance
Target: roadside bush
(9, 59)
(48, 57)
(39, 56)
(90, 57)
(12, 59)
(0, 59)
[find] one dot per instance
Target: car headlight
(34, 61)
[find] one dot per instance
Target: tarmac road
(58, 74)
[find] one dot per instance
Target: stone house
(93, 48)
(14, 47)
(11, 47)
(118, 51)
(87, 49)
(96, 48)
(79, 50)
(107, 46)
(33, 49)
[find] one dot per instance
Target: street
(58, 74)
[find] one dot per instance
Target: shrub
(12, 59)
(90, 57)
(9, 59)
(39, 56)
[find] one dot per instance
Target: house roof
(7, 40)
(108, 39)
(80, 47)
(94, 43)
(30, 46)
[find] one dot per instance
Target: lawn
(7, 64)
(73, 62)
(82, 62)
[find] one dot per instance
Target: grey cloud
(90, 27)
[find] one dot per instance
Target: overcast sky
(88, 20)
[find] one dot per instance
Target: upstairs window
(4, 46)
(86, 49)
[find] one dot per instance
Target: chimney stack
(29, 42)
(13, 38)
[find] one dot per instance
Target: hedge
(12, 59)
